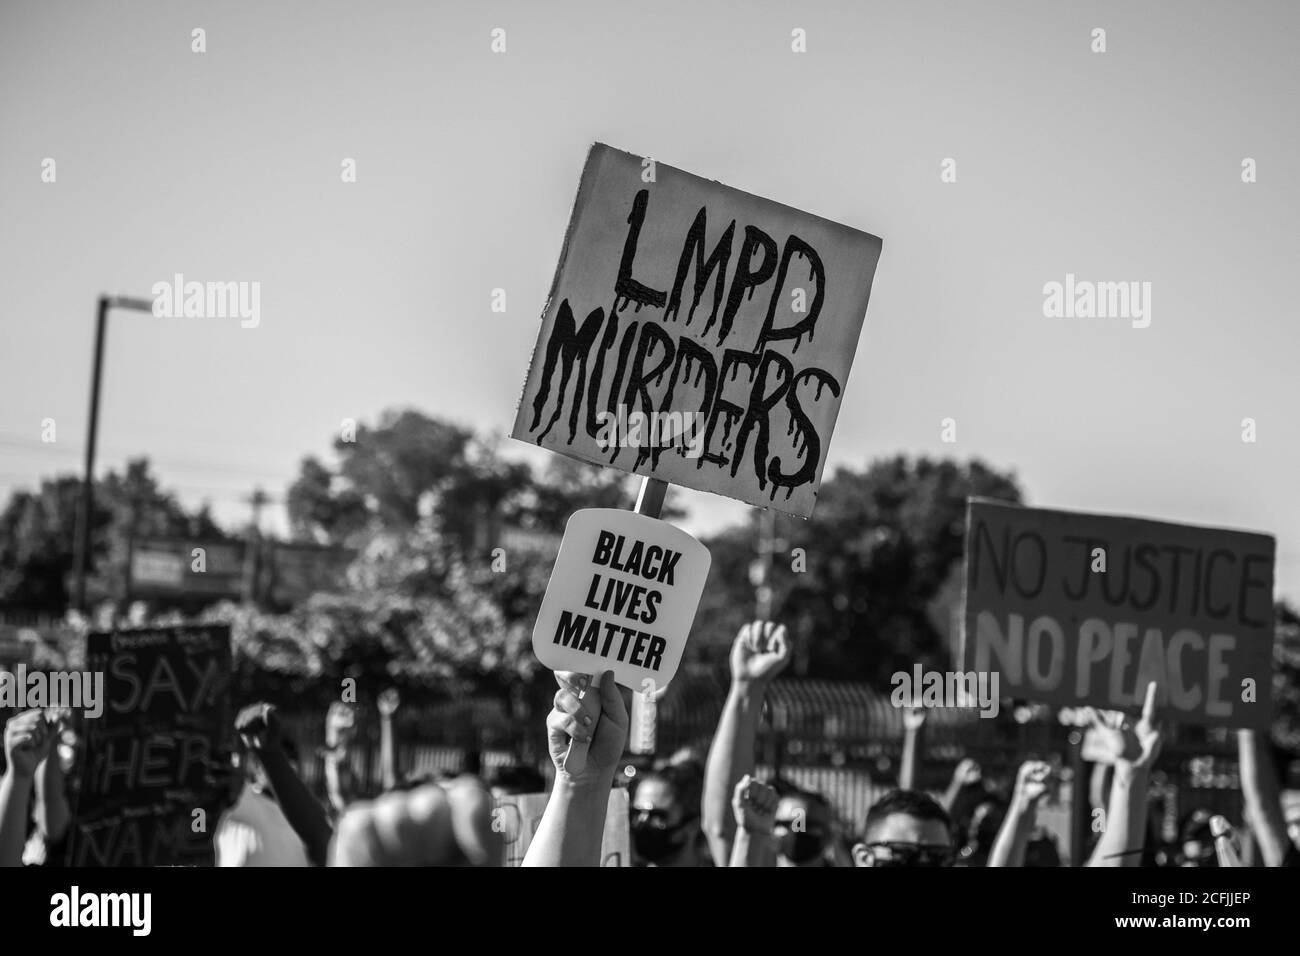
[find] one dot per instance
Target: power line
(177, 464)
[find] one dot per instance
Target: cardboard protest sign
(517, 817)
(1079, 609)
(622, 597)
(697, 334)
(149, 759)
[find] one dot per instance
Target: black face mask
(656, 843)
(800, 847)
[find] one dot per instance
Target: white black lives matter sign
(622, 597)
(697, 334)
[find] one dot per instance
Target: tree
(879, 547)
(318, 512)
(38, 533)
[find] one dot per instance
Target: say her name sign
(622, 597)
(697, 334)
(1189, 608)
(151, 790)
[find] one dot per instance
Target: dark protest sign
(1187, 607)
(622, 597)
(697, 334)
(147, 767)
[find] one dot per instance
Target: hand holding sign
(622, 597)
(27, 743)
(593, 712)
(759, 653)
(58, 718)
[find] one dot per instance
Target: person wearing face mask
(665, 817)
(804, 828)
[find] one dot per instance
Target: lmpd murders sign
(1079, 609)
(697, 334)
(622, 597)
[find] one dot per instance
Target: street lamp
(85, 508)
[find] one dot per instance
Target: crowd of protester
(683, 811)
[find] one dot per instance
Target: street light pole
(760, 570)
(86, 506)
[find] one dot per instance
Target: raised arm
(1263, 797)
(259, 726)
(388, 703)
(965, 774)
(1136, 747)
(758, 654)
(26, 742)
(51, 811)
(1031, 784)
(1099, 786)
(913, 726)
(754, 804)
(340, 786)
(573, 823)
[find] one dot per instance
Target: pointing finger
(1149, 705)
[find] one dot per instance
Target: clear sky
(1115, 166)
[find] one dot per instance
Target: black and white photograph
(613, 434)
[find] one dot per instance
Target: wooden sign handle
(649, 502)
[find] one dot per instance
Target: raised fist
(258, 725)
(759, 653)
(1033, 780)
(966, 773)
(429, 826)
(754, 804)
(340, 725)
